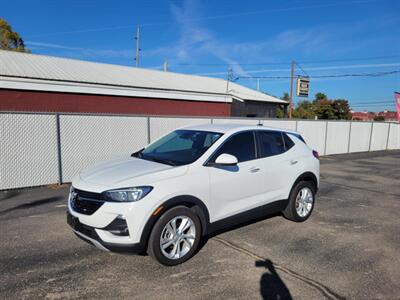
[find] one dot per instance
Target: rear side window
(299, 137)
(241, 145)
(271, 143)
(288, 142)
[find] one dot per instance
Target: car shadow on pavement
(32, 204)
(271, 285)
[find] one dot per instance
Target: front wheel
(175, 237)
(301, 202)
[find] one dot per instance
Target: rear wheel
(301, 202)
(175, 237)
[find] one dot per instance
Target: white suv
(190, 182)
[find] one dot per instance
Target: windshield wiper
(138, 153)
(162, 161)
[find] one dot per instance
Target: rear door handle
(293, 162)
(254, 170)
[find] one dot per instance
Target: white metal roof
(39, 72)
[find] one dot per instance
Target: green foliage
(280, 111)
(342, 109)
(320, 96)
(304, 110)
(286, 97)
(322, 108)
(9, 39)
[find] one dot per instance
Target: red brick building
(31, 82)
(369, 116)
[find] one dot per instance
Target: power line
(372, 104)
(288, 62)
(376, 74)
(368, 103)
(334, 67)
(301, 69)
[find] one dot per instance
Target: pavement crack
(323, 289)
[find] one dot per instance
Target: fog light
(118, 226)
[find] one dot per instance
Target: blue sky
(257, 38)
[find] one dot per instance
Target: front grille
(84, 202)
(88, 195)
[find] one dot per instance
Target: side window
(271, 143)
(288, 142)
(299, 137)
(241, 145)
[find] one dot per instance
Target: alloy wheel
(177, 237)
(304, 202)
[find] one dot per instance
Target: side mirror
(226, 160)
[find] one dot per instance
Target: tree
(324, 109)
(342, 109)
(304, 110)
(280, 111)
(9, 39)
(320, 96)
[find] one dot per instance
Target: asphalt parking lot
(349, 248)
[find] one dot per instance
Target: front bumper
(89, 234)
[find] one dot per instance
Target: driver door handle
(254, 169)
(293, 162)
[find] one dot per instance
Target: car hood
(119, 171)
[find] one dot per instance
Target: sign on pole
(303, 86)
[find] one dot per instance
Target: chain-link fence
(39, 149)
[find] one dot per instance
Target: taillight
(315, 153)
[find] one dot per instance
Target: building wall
(17, 100)
(254, 109)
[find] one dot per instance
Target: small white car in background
(166, 197)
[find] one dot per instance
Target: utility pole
(137, 38)
(229, 77)
(165, 66)
(291, 91)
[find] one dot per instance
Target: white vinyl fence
(39, 148)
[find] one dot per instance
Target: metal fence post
(388, 136)
(326, 136)
(296, 122)
(370, 136)
(212, 121)
(349, 140)
(60, 179)
(148, 130)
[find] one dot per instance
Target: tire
(179, 245)
(304, 191)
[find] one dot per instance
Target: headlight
(127, 194)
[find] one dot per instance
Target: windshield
(180, 147)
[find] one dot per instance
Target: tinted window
(271, 143)
(299, 137)
(180, 147)
(288, 142)
(240, 145)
